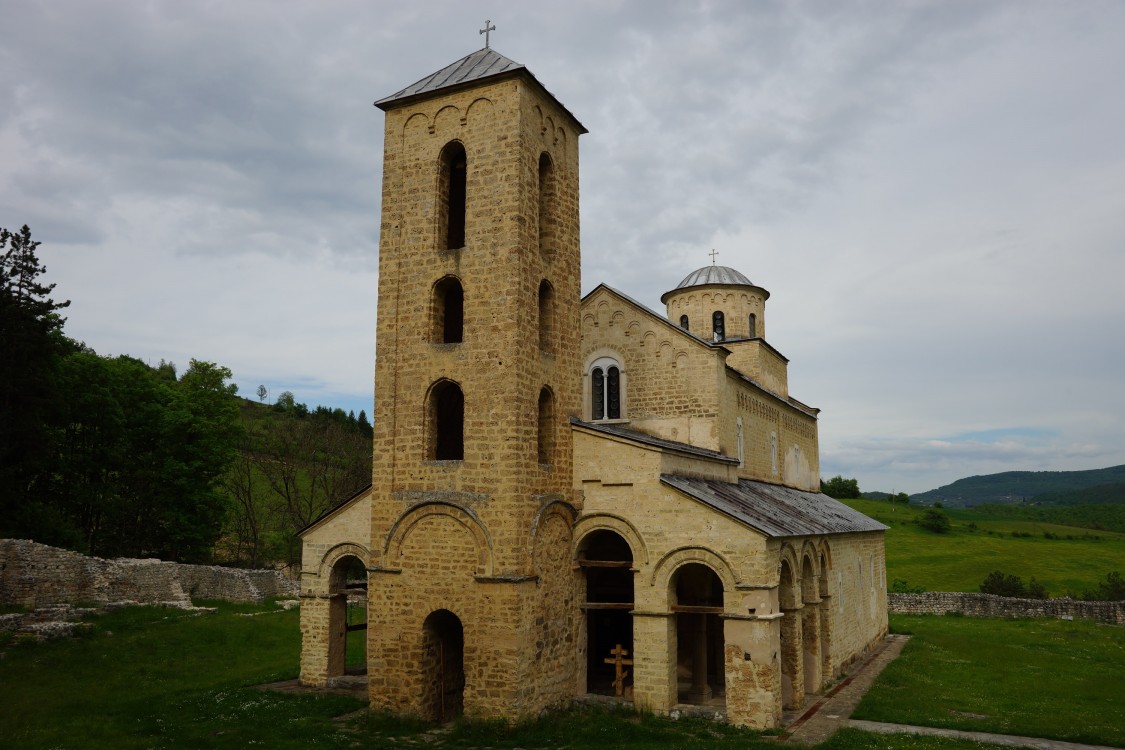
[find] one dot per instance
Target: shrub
(1002, 584)
(900, 586)
(935, 520)
(1112, 589)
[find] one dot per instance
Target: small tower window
(547, 204)
(546, 316)
(684, 323)
(605, 390)
(718, 325)
(448, 311)
(546, 440)
(753, 326)
(452, 196)
(446, 419)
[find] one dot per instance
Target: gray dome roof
(714, 275)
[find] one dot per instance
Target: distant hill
(1051, 487)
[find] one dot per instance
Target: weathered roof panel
(775, 510)
(480, 64)
(645, 439)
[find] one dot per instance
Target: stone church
(571, 496)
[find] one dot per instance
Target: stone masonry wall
(990, 605)
(36, 575)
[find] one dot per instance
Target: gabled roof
(773, 509)
(481, 65)
(655, 442)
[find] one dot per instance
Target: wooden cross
(487, 28)
(619, 663)
(713, 253)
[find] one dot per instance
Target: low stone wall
(990, 605)
(35, 575)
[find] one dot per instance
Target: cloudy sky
(933, 193)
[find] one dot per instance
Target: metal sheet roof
(774, 510)
(645, 439)
(714, 275)
(480, 64)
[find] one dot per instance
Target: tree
(262, 393)
(31, 346)
(900, 498)
(838, 487)
(935, 520)
(1112, 589)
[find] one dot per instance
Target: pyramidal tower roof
(483, 64)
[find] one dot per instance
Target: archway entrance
(443, 666)
(607, 562)
(347, 618)
(698, 604)
(792, 671)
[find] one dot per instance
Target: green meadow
(1063, 558)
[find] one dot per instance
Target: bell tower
(471, 592)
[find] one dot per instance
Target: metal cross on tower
(487, 28)
(713, 253)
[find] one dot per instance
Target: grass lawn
(1040, 678)
(960, 560)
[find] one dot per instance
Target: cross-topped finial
(487, 28)
(713, 253)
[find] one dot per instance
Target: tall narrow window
(447, 422)
(605, 390)
(452, 195)
(753, 326)
(546, 316)
(546, 204)
(684, 323)
(448, 311)
(718, 325)
(546, 425)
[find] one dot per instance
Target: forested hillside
(113, 457)
(1026, 486)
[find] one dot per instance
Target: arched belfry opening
(448, 312)
(698, 603)
(452, 196)
(547, 203)
(443, 666)
(347, 618)
(445, 422)
(606, 561)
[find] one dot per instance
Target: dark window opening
(597, 392)
(449, 311)
(718, 325)
(605, 392)
(684, 323)
(546, 316)
(453, 194)
(607, 561)
(447, 405)
(443, 664)
(753, 325)
(546, 440)
(613, 393)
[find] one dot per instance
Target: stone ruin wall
(990, 605)
(34, 575)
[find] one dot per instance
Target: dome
(714, 275)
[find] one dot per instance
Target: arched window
(605, 389)
(446, 417)
(718, 325)
(448, 312)
(546, 440)
(547, 204)
(546, 316)
(452, 196)
(684, 323)
(753, 326)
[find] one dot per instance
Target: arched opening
(810, 624)
(446, 420)
(452, 196)
(448, 311)
(547, 203)
(606, 561)
(825, 620)
(443, 666)
(546, 430)
(684, 323)
(718, 325)
(546, 316)
(605, 389)
(698, 605)
(792, 679)
(753, 326)
(347, 618)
